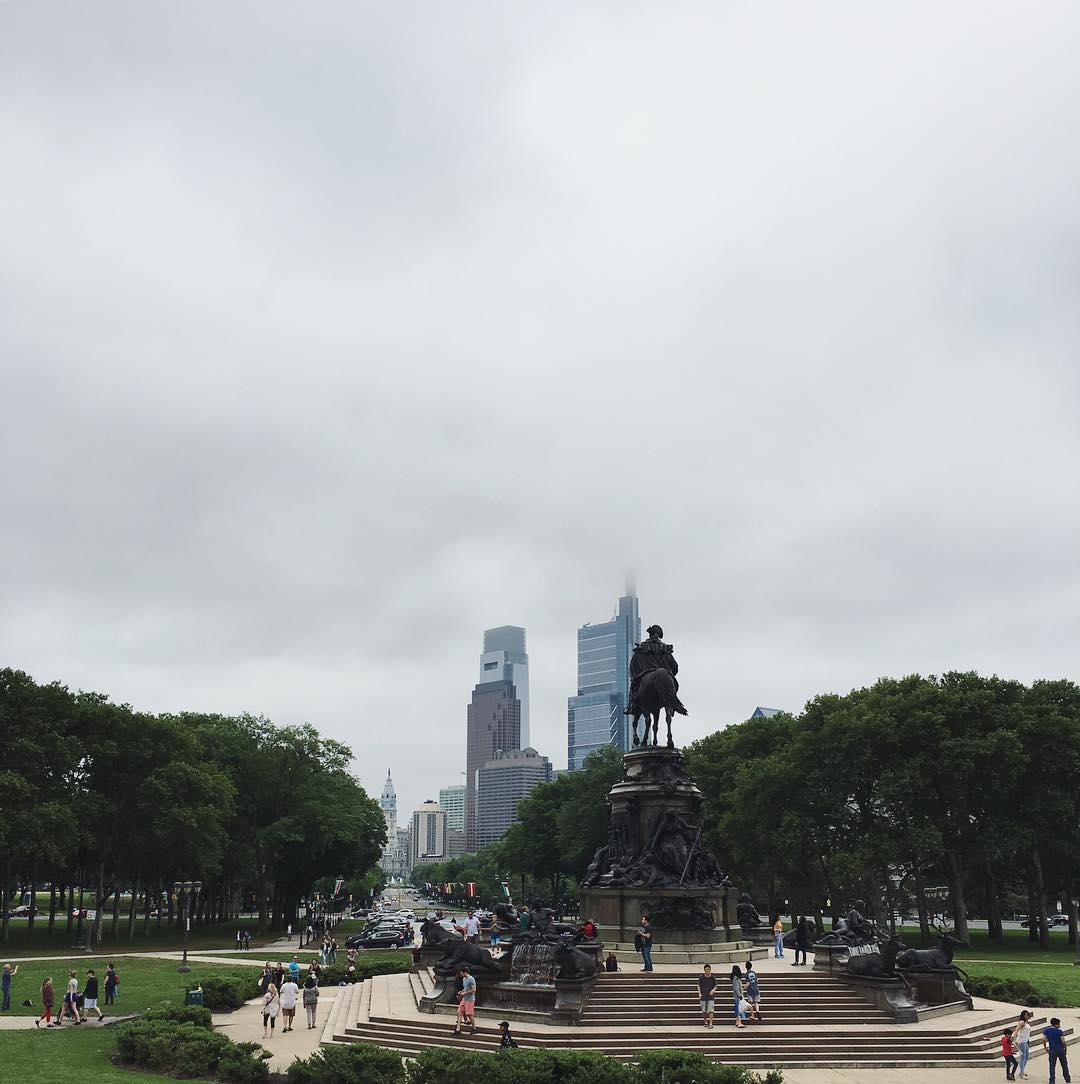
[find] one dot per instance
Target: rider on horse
(653, 685)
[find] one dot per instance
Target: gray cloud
(332, 334)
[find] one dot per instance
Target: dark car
(385, 937)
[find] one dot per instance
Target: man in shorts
(90, 995)
(706, 989)
(467, 1002)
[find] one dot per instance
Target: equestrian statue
(653, 686)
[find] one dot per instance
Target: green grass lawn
(1060, 980)
(143, 982)
(73, 1056)
(1015, 947)
(220, 936)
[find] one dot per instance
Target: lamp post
(1075, 910)
(186, 891)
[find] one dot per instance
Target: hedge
(359, 1063)
(688, 1067)
(1014, 991)
(336, 973)
(188, 1050)
(179, 1014)
(230, 990)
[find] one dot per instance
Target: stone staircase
(807, 1020)
(715, 953)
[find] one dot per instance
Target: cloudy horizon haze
(332, 335)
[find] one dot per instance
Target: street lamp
(186, 891)
(1075, 909)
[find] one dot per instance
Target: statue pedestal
(654, 861)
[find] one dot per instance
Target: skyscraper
(501, 784)
(388, 804)
(594, 718)
(428, 837)
(395, 857)
(452, 803)
(494, 717)
(504, 657)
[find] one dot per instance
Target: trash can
(194, 997)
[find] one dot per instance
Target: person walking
(90, 995)
(5, 985)
(239, 939)
(278, 976)
(645, 933)
(802, 941)
(467, 1002)
(1054, 1041)
(753, 994)
(778, 939)
(266, 977)
(311, 999)
(1022, 1042)
(706, 990)
(47, 1000)
(112, 980)
(737, 993)
(294, 969)
(288, 996)
(1008, 1055)
(71, 999)
(333, 949)
(271, 1004)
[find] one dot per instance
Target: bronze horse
(656, 694)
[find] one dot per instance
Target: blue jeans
(7, 999)
(778, 946)
(646, 955)
(1056, 1056)
(1025, 1053)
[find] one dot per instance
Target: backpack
(639, 942)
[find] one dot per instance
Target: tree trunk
(52, 908)
(1033, 908)
(994, 928)
(33, 901)
(116, 912)
(6, 922)
(100, 913)
(956, 893)
(163, 905)
(1072, 912)
(1040, 899)
(134, 902)
(920, 904)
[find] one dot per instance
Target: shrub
(230, 990)
(180, 1014)
(1015, 991)
(357, 1063)
(336, 973)
(189, 1050)
(523, 1066)
(688, 1067)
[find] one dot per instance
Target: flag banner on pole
(339, 884)
(470, 888)
(506, 889)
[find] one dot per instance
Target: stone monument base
(617, 912)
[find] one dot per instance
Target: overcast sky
(333, 334)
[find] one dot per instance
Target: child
(744, 1011)
(612, 962)
(1007, 1053)
(506, 1040)
(753, 994)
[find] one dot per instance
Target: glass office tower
(594, 718)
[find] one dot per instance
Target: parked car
(385, 937)
(1051, 921)
(24, 910)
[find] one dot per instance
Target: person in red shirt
(1007, 1053)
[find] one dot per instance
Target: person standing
(524, 918)
(278, 976)
(239, 939)
(645, 933)
(753, 993)
(333, 949)
(5, 985)
(266, 977)
(311, 999)
(467, 1002)
(706, 990)
(112, 980)
(90, 995)
(47, 1000)
(470, 929)
(271, 1003)
(1022, 1041)
(288, 1002)
(737, 993)
(1054, 1041)
(778, 939)
(802, 941)
(294, 969)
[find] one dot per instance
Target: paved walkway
(245, 1025)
